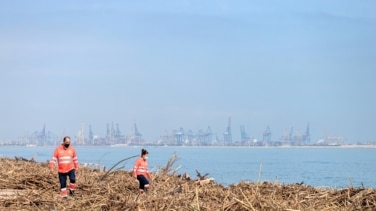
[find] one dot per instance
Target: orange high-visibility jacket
(66, 159)
(141, 168)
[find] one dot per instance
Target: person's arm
(136, 164)
(53, 161)
(75, 160)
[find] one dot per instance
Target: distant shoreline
(272, 147)
(252, 147)
(245, 147)
(350, 146)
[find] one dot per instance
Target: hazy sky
(192, 64)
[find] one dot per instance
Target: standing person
(141, 171)
(66, 157)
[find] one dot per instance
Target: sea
(323, 167)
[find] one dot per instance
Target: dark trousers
(143, 181)
(63, 178)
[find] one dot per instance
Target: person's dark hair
(65, 138)
(144, 152)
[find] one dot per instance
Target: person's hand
(51, 171)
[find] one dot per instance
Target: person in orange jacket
(141, 171)
(66, 157)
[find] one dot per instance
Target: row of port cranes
(47, 138)
(207, 138)
(178, 137)
(173, 138)
(290, 138)
(295, 139)
(201, 138)
(115, 137)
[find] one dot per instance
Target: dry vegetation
(28, 185)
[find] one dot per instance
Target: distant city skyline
(192, 64)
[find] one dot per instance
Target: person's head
(66, 141)
(144, 154)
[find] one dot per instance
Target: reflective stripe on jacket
(141, 168)
(66, 159)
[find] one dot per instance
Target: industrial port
(177, 137)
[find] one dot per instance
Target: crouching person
(141, 171)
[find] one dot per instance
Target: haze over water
(191, 64)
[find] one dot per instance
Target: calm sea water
(319, 167)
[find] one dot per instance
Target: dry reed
(28, 185)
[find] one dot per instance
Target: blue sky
(191, 64)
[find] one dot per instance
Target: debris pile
(28, 185)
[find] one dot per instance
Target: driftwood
(201, 177)
(30, 186)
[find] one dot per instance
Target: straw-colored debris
(28, 185)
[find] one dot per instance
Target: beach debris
(28, 185)
(201, 177)
(94, 166)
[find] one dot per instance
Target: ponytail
(144, 152)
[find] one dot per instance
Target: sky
(169, 64)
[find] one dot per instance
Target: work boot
(72, 186)
(64, 193)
